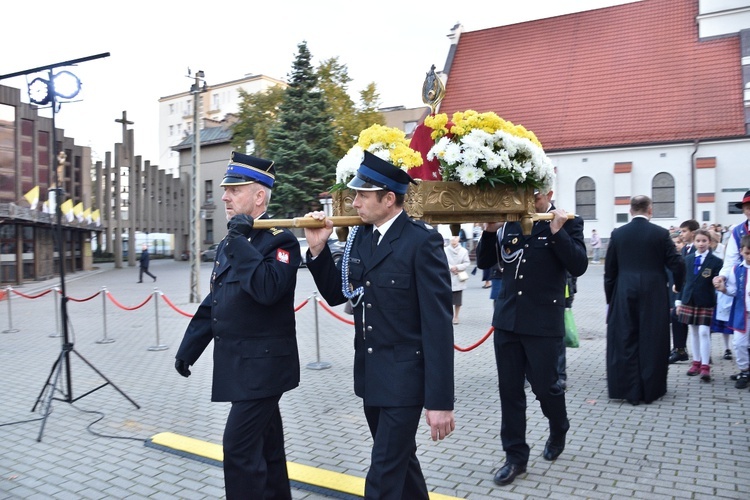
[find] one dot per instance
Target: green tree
(301, 143)
(369, 103)
(257, 114)
(348, 121)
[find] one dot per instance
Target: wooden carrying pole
(346, 221)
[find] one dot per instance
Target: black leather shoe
(634, 402)
(508, 473)
(554, 448)
(678, 355)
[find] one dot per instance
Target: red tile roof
(628, 74)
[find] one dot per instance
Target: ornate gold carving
(440, 202)
(342, 202)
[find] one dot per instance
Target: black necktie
(697, 267)
(375, 239)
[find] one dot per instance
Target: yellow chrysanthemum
(483, 148)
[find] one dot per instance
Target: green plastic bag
(571, 332)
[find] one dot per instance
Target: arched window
(662, 193)
(586, 198)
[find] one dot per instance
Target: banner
(67, 210)
(33, 197)
(78, 211)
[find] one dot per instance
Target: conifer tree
(301, 143)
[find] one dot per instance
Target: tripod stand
(63, 360)
(44, 92)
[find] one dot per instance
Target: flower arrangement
(387, 143)
(483, 149)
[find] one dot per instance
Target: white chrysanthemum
(471, 156)
(452, 154)
(469, 175)
(438, 149)
(383, 154)
(476, 138)
(508, 142)
(347, 166)
(491, 159)
(505, 162)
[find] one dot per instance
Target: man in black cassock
(636, 288)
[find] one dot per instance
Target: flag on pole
(33, 197)
(87, 215)
(96, 217)
(67, 209)
(78, 211)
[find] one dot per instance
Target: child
(723, 302)
(737, 286)
(679, 330)
(697, 300)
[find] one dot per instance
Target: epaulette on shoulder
(422, 224)
(275, 231)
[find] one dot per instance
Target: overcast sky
(152, 43)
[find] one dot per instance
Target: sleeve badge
(282, 255)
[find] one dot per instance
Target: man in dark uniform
(529, 324)
(635, 286)
(249, 314)
(396, 274)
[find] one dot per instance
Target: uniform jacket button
(393, 282)
(369, 350)
(369, 328)
(367, 283)
(419, 352)
(520, 293)
(369, 306)
(217, 338)
(520, 277)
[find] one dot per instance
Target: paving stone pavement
(692, 443)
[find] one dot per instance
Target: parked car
(336, 246)
(209, 254)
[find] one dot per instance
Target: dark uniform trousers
(254, 457)
(533, 357)
(394, 473)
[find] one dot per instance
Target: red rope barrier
(474, 346)
(350, 322)
(303, 304)
(128, 308)
(31, 296)
(335, 314)
(84, 300)
(169, 303)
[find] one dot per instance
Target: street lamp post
(195, 227)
